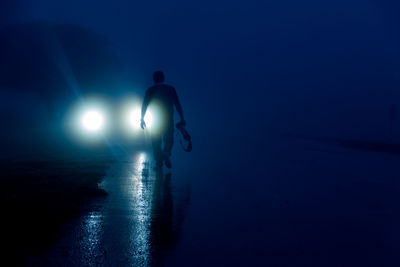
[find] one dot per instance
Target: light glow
(88, 121)
(131, 110)
(93, 121)
(134, 117)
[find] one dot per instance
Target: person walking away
(165, 98)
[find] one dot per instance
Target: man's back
(164, 97)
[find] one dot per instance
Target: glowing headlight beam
(93, 120)
(134, 117)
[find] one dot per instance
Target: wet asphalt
(304, 203)
(132, 226)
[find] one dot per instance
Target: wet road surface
(136, 225)
(303, 203)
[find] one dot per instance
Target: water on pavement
(283, 203)
(136, 225)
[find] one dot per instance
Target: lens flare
(93, 120)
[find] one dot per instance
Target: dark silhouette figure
(166, 98)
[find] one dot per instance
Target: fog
(241, 69)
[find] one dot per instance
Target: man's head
(158, 76)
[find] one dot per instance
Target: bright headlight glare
(92, 120)
(88, 120)
(134, 116)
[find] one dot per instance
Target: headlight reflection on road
(141, 209)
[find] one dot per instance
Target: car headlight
(134, 116)
(92, 121)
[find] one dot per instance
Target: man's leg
(169, 141)
(157, 152)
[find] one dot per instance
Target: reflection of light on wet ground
(80, 246)
(142, 206)
(132, 226)
(140, 163)
(90, 241)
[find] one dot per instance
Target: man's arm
(178, 105)
(145, 104)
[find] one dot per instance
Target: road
(304, 203)
(133, 226)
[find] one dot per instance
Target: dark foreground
(138, 224)
(39, 195)
(304, 203)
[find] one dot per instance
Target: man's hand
(142, 124)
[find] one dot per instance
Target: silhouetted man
(166, 98)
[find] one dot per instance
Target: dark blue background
(248, 73)
(317, 67)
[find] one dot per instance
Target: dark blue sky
(324, 67)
